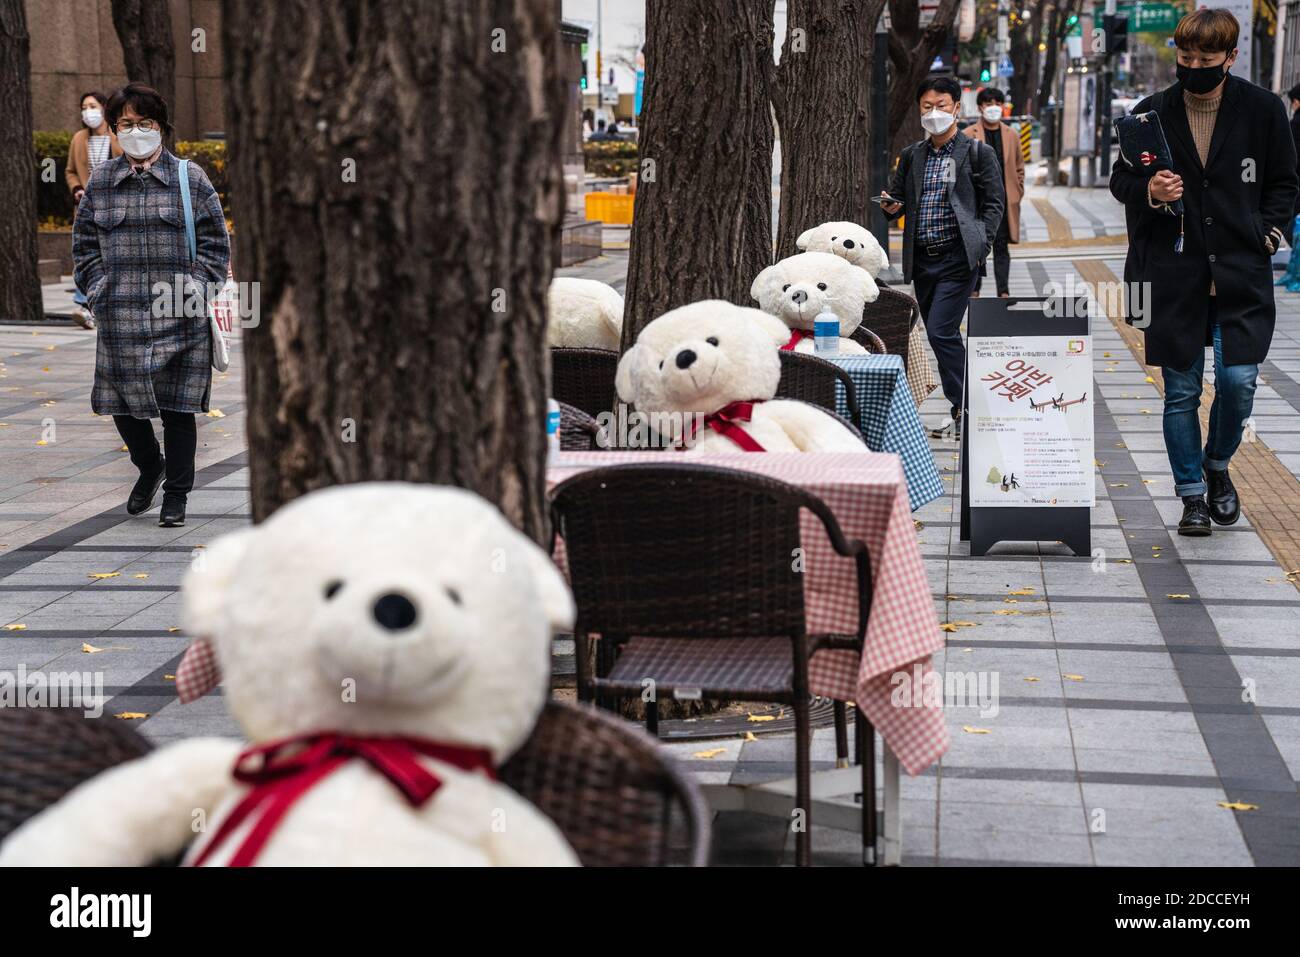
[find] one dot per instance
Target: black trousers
(1001, 260)
(943, 285)
(180, 437)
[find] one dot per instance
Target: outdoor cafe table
(868, 496)
(889, 420)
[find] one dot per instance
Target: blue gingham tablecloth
(889, 420)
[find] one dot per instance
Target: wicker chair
(618, 799)
(614, 794)
(813, 379)
(579, 432)
(584, 379)
(705, 604)
(891, 317)
(869, 340)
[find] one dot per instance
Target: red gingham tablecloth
(868, 496)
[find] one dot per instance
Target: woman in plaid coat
(154, 355)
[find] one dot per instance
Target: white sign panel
(1030, 422)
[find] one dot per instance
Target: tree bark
(144, 28)
(20, 283)
(396, 178)
(821, 91)
(911, 51)
(702, 228)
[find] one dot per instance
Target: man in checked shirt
(951, 189)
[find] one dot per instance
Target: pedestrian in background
(91, 146)
(950, 188)
(1291, 278)
(128, 240)
(1209, 271)
(1006, 147)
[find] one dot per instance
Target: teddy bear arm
(811, 429)
(134, 814)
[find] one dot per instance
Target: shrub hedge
(54, 202)
(610, 158)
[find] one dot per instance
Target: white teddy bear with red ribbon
(800, 288)
(384, 646)
(705, 375)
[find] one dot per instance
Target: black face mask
(1201, 79)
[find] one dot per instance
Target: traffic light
(1074, 19)
(1116, 28)
(985, 75)
(583, 82)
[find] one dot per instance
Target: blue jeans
(1234, 397)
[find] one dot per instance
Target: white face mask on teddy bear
(800, 287)
(848, 241)
(693, 361)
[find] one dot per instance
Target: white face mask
(992, 113)
(139, 144)
(937, 122)
(92, 118)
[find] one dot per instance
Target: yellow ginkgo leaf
(15, 627)
(749, 736)
(1172, 595)
(141, 575)
(1238, 806)
(1149, 379)
(1011, 601)
(711, 753)
(1022, 591)
(131, 715)
(41, 442)
(216, 414)
(947, 626)
(1007, 611)
(173, 628)
(965, 624)
(90, 649)
(1071, 677)
(124, 449)
(917, 523)
(760, 717)
(1124, 561)
(169, 677)
(1119, 485)
(973, 730)
(1032, 678)
(104, 575)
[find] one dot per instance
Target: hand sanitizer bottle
(826, 335)
(552, 430)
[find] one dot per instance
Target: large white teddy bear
(848, 241)
(583, 314)
(800, 287)
(403, 633)
(705, 374)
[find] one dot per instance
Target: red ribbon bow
(724, 423)
(796, 336)
(278, 779)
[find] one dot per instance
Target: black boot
(172, 514)
(1196, 516)
(145, 488)
(1225, 507)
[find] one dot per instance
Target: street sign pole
(1107, 75)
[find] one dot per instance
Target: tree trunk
(144, 28)
(911, 51)
(702, 228)
(20, 283)
(396, 178)
(822, 95)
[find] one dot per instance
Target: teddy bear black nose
(685, 358)
(394, 611)
(848, 244)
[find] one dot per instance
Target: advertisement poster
(1030, 422)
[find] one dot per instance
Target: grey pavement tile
(1158, 689)
(1016, 846)
(1121, 760)
(1237, 581)
(974, 817)
(1187, 851)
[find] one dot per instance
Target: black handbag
(1145, 151)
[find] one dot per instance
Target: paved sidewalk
(1121, 723)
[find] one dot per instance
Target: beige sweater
(1201, 115)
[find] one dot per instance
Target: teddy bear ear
(807, 237)
(623, 377)
(876, 260)
(206, 588)
(759, 289)
(612, 312)
(557, 600)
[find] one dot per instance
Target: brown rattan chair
(684, 573)
(813, 379)
(584, 379)
(890, 319)
(617, 797)
(869, 340)
(46, 752)
(579, 432)
(614, 793)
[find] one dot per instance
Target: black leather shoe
(1196, 516)
(145, 488)
(173, 510)
(1225, 507)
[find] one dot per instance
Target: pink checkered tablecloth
(868, 496)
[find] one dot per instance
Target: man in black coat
(1207, 276)
(951, 189)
